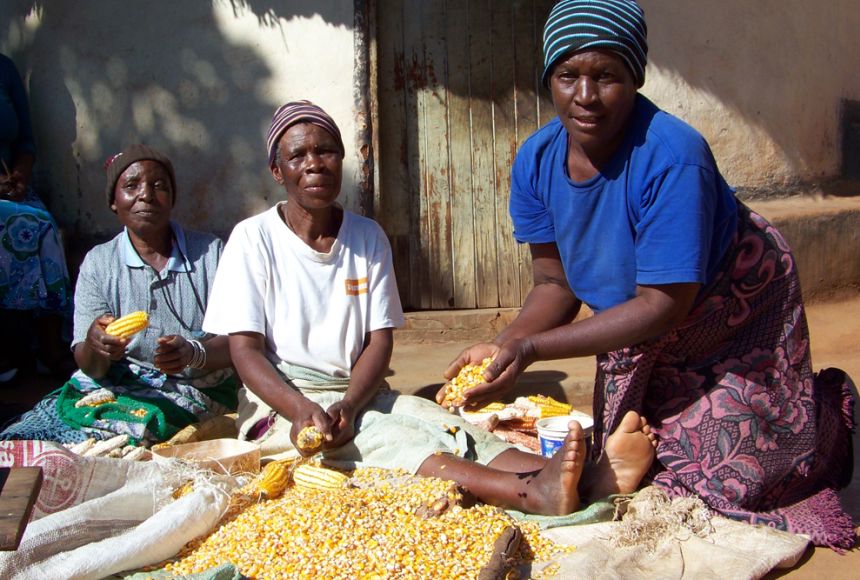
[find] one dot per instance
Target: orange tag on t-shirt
(356, 287)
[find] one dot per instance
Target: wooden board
(20, 488)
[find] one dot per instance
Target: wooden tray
(19, 488)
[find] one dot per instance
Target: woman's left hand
(342, 424)
(173, 354)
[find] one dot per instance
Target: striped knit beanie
(299, 112)
(616, 25)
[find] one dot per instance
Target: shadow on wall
(159, 72)
(783, 65)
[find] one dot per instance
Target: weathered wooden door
(458, 92)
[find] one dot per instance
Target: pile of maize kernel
(468, 377)
(372, 530)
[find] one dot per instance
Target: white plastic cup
(553, 430)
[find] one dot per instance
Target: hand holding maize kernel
(469, 376)
(128, 325)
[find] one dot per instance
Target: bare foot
(554, 490)
(629, 452)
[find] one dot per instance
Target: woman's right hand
(104, 344)
(307, 414)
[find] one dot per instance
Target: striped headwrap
(299, 112)
(616, 25)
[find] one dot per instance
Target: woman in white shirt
(307, 294)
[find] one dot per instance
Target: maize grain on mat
(383, 524)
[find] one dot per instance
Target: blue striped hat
(299, 112)
(616, 25)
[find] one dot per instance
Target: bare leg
(629, 452)
(551, 489)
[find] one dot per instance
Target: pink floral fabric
(742, 420)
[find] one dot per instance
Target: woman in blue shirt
(698, 319)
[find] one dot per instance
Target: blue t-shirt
(659, 212)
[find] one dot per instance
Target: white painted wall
(198, 79)
(763, 80)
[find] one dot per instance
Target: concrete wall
(198, 79)
(763, 80)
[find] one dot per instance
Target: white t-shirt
(314, 309)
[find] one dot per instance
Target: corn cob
(83, 446)
(128, 325)
(309, 476)
(309, 439)
(497, 406)
(106, 446)
(96, 398)
(136, 454)
(469, 376)
(275, 477)
(549, 407)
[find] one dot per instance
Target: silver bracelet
(198, 357)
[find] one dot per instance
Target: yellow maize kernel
(183, 489)
(469, 376)
(309, 439)
(372, 529)
(128, 325)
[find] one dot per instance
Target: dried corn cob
(106, 446)
(135, 454)
(309, 439)
(497, 406)
(83, 446)
(309, 476)
(128, 325)
(549, 407)
(96, 398)
(468, 377)
(275, 478)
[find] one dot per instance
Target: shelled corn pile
(376, 524)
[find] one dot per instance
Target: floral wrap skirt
(742, 420)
